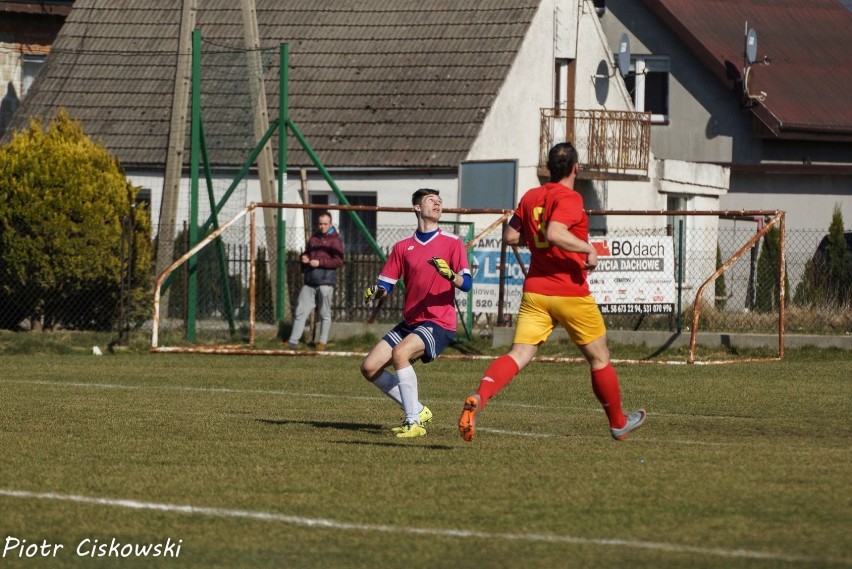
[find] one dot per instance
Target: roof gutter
(775, 128)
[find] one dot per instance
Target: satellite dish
(751, 46)
(624, 55)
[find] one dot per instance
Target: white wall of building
(391, 190)
(511, 130)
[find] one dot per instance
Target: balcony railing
(611, 144)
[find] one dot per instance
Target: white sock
(408, 391)
(389, 385)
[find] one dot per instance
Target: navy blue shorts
(434, 337)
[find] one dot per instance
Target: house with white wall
(759, 90)
(27, 31)
(781, 123)
(390, 96)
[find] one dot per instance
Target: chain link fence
(743, 299)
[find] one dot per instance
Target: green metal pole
(283, 119)
(319, 165)
(220, 246)
(242, 173)
(195, 132)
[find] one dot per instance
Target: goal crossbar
(773, 218)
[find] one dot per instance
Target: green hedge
(70, 235)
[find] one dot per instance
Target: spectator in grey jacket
(322, 257)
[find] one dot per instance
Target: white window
(560, 95)
(353, 239)
(32, 64)
(648, 83)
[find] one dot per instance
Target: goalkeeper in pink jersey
(432, 265)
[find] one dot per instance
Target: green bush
(63, 201)
(720, 287)
(827, 279)
(767, 292)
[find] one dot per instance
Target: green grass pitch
(288, 462)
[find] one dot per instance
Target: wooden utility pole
(306, 213)
(265, 164)
(177, 143)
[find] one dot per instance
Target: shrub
(62, 201)
(767, 292)
(827, 279)
(721, 289)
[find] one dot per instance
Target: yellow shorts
(539, 313)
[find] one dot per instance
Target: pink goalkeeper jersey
(428, 295)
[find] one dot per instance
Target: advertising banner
(485, 267)
(635, 275)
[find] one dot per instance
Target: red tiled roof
(808, 84)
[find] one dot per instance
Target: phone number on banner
(637, 308)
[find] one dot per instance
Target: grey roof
(372, 83)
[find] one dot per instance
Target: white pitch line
(516, 433)
(188, 389)
(324, 523)
(283, 393)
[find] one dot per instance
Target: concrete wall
(654, 341)
(511, 128)
(808, 200)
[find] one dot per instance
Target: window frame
(31, 64)
(353, 242)
(639, 71)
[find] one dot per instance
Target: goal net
(688, 286)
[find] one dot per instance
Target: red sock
(605, 386)
(499, 373)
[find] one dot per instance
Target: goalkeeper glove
(443, 268)
(374, 292)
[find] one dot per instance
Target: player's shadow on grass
(397, 444)
(368, 427)
(362, 427)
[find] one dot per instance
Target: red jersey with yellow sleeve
(552, 271)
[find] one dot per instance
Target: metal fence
(744, 299)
